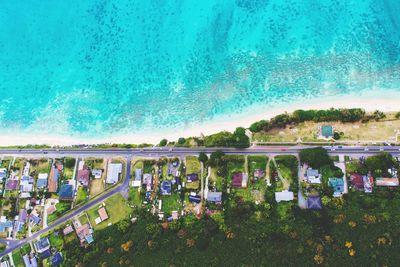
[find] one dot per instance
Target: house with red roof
(239, 179)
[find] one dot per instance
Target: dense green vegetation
(361, 231)
(298, 116)
(377, 165)
(227, 139)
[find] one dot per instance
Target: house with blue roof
(3, 174)
(57, 259)
(337, 185)
(314, 203)
(66, 192)
(42, 245)
(5, 225)
(166, 187)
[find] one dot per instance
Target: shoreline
(388, 101)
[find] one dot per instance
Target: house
(97, 173)
(34, 219)
(166, 187)
(12, 184)
(326, 131)
(113, 172)
(147, 180)
(337, 185)
(5, 225)
(258, 173)
(51, 209)
(103, 214)
(57, 259)
(195, 198)
(138, 178)
(66, 192)
(357, 181)
(5, 263)
(239, 180)
(3, 174)
(313, 176)
(192, 177)
(387, 181)
(41, 182)
(83, 174)
(84, 233)
(30, 262)
(22, 216)
(314, 203)
(215, 197)
(67, 230)
(42, 245)
(45, 254)
(26, 184)
(55, 174)
(285, 195)
(173, 168)
(368, 183)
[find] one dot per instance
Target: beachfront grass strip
(117, 210)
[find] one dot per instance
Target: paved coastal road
(165, 151)
(356, 151)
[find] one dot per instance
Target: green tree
(203, 157)
(181, 141)
(315, 157)
(397, 116)
(163, 142)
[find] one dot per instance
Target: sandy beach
(386, 101)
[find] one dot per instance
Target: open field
(39, 166)
(117, 210)
(383, 130)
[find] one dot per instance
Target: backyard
(117, 210)
(193, 167)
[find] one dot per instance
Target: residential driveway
(301, 199)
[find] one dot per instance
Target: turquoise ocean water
(95, 68)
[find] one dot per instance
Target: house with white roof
(285, 195)
(113, 172)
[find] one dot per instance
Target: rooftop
(113, 171)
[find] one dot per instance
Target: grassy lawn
(81, 195)
(288, 166)
(62, 207)
(219, 183)
(69, 166)
(134, 197)
(170, 203)
(56, 241)
(39, 166)
(192, 166)
(17, 257)
(235, 163)
(148, 166)
(94, 163)
(257, 162)
(83, 219)
(96, 187)
(117, 210)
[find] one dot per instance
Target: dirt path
(286, 184)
